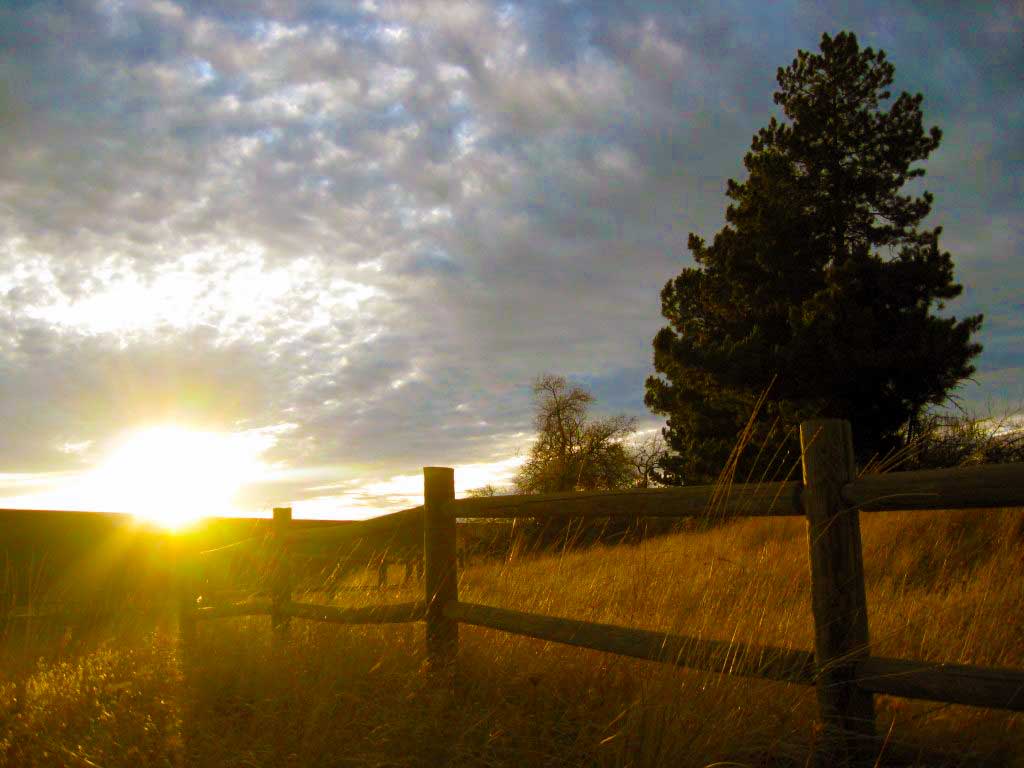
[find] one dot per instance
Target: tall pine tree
(821, 287)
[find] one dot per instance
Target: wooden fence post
(440, 568)
(184, 578)
(837, 590)
(281, 585)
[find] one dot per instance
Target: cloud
(63, 390)
(378, 223)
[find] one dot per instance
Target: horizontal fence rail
(342, 533)
(951, 683)
(764, 499)
(981, 487)
(395, 613)
(374, 526)
(720, 656)
(231, 610)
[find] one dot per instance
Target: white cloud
(380, 225)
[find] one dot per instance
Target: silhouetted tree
(573, 451)
(820, 288)
(647, 452)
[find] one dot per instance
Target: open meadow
(941, 586)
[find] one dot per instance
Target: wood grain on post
(440, 568)
(837, 588)
(281, 587)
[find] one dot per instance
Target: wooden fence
(841, 668)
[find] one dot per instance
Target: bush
(956, 440)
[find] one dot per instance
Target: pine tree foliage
(821, 287)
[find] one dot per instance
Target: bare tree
(573, 451)
(483, 492)
(646, 453)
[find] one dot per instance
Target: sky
(340, 240)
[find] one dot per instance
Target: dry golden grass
(940, 585)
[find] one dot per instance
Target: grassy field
(941, 586)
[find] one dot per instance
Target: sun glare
(173, 476)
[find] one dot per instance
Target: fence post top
(438, 470)
(282, 513)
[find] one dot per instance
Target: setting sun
(173, 476)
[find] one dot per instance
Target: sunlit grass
(943, 586)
